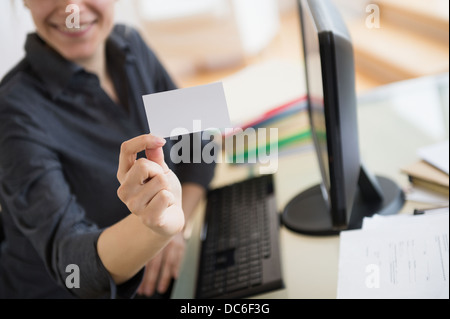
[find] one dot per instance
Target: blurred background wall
(204, 40)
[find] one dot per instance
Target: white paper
(399, 257)
(423, 195)
(187, 110)
(436, 155)
(401, 222)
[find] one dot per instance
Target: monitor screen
(348, 192)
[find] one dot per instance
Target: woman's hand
(161, 270)
(148, 187)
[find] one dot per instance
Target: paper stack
(431, 171)
(396, 257)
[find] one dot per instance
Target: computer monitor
(348, 192)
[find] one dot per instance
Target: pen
(423, 210)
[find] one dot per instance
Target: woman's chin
(77, 48)
(75, 54)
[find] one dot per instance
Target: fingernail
(161, 289)
(149, 292)
(161, 141)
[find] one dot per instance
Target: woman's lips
(74, 32)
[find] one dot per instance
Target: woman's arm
(127, 246)
(166, 265)
(153, 194)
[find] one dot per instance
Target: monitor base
(307, 213)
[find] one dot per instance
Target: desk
(394, 121)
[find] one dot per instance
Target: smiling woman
(86, 44)
(93, 190)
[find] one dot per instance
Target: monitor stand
(308, 214)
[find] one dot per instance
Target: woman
(83, 189)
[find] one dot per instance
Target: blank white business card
(187, 110)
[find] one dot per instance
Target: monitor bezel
(336, 195)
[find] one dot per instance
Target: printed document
(396, 257)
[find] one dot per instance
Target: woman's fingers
(138, 176)
(157, 155)
(138, 196)
(129, 150)
(153, 215)
(151, 275)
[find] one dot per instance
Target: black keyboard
(240, 254)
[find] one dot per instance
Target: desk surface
(394, 121)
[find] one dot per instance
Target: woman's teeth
(75, 29)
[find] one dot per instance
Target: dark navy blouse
(60, 137)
